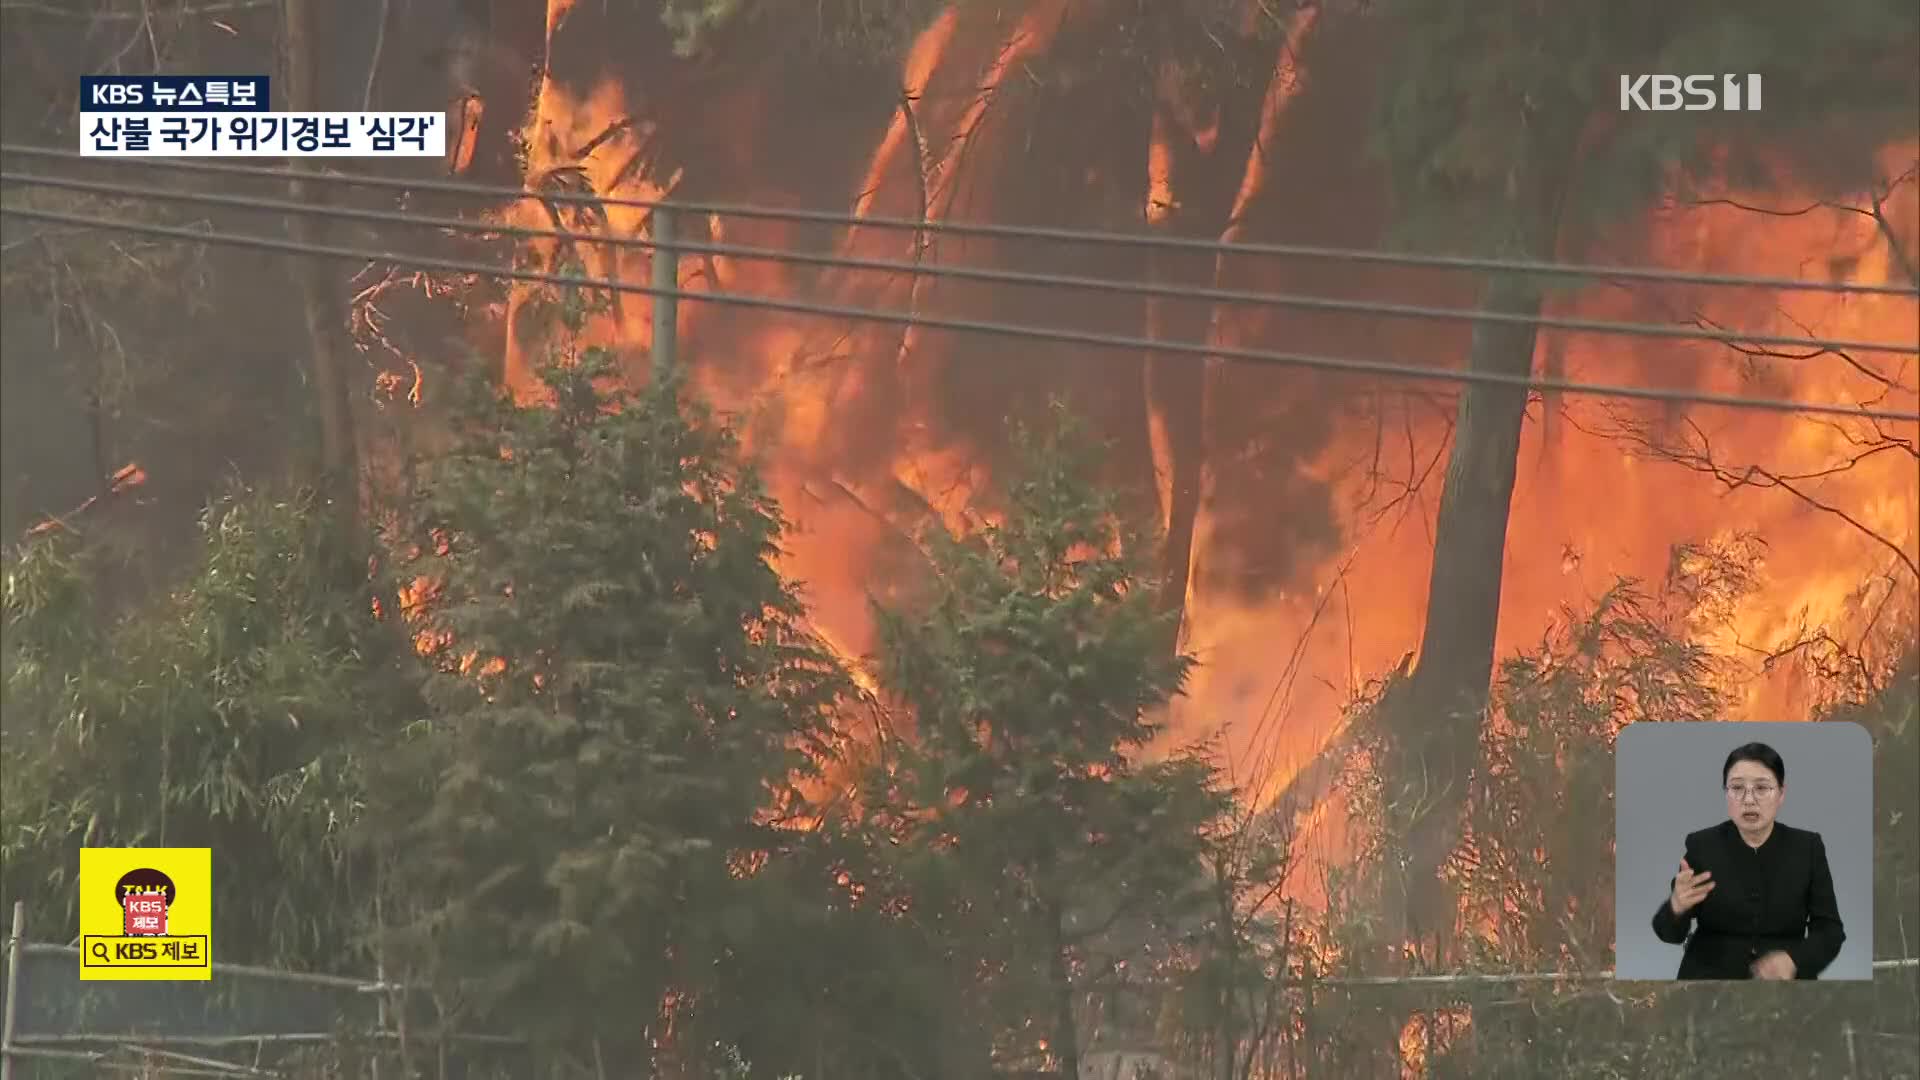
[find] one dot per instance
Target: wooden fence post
(15, 939)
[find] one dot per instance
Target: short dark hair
(1760, 754)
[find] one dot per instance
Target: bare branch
(1768, 210)
(1879, 215)
(1875, 211)
(1696, 453)
(922, 240)
(213, 7)
(127, 478)
(379, 46)
(1761, 352)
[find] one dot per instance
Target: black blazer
(1776, 897)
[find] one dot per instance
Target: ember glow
(861, 442)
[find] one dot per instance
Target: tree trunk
(1463, 600)
(1283, 85)
(1191, 191)
(1227, 1033)
(1440, 716)
(1172, 383)
(339, 457)
(1066, 1033)
(1174, 389)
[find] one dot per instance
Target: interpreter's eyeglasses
(1760, 792)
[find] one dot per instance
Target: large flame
(860, 447)
(1588, 508)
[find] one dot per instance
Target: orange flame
(1584, 511)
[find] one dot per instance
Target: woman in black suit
(1760, 891)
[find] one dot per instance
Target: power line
(975, 273)
(1226, 352)
(1005, 232)
(1511, 977)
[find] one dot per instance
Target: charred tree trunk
(1173, 383)
(484, 56)
(339, 457)
(1440, 716)
(1451, 681)
(1439, 719)
(1175, 395)
(1192, 187)
(1203, 187)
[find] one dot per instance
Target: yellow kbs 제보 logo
(146, 914)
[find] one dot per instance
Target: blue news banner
(229, 116)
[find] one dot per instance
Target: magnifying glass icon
(99, 950)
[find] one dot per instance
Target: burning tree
(1484, 127)
(621, 687)
(1036, 839)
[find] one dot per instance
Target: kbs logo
(145, 896)
(145, 913)
(116, 94)
(1692, 93)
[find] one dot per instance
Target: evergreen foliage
(621, 690)
(230, 714)
(1037, 835)
(1481, 101)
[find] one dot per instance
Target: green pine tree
(1041, 844)
(624, 690)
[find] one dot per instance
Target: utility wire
(899, 318)
(1005, 232)
(975, 273)
(1509, 977)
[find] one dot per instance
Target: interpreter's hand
(1776, 967)
(1689, 888)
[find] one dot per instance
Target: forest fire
(651, 760)
(1604, 491)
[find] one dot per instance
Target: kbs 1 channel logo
(146, 914)
(1690, 93)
